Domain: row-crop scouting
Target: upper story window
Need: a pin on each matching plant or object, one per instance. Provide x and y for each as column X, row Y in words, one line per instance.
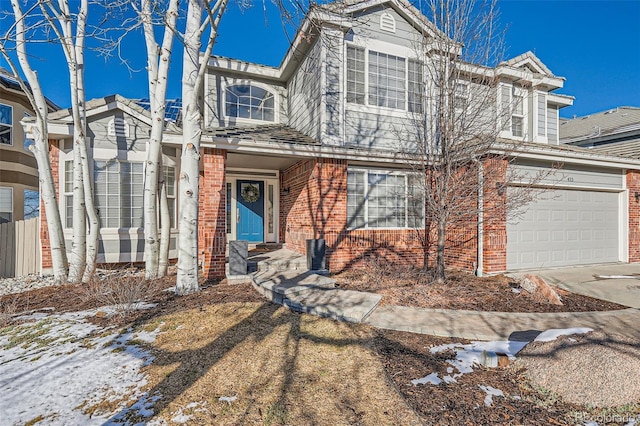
column 389, row 81
column 248, row 101
column 512, row 100
column 6, row 124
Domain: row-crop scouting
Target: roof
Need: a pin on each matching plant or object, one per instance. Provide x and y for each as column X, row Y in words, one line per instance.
column 9, row 81
column 278, row 133
column 602, row 124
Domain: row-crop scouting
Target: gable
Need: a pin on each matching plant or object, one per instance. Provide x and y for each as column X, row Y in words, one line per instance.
column 118, row 131
column 384, row 23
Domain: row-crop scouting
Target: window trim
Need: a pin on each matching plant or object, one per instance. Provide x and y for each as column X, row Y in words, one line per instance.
column 119, row 227
column 67, row 195
column 270, row 89
column 392, row 172
column 385, row 49
column 10, row 125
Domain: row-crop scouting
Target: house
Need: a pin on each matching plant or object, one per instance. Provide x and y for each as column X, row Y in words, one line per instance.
column 309, row 150
column 19, row 183
column 615, row 131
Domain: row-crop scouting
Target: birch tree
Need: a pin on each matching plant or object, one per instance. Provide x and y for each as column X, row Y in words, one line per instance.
column 61, row 21
column 16, row 38
column 202, row 16
column 156, row 252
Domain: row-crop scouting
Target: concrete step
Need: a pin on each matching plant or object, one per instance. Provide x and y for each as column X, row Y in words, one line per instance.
column 279, row 285
column 339, row 304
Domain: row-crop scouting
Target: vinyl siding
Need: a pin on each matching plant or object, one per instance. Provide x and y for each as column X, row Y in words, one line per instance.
column 304, row 93
column 368, row 26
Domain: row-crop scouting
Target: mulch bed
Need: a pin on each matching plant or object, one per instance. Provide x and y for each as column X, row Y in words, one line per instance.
column 461, row 290
column 406, row 356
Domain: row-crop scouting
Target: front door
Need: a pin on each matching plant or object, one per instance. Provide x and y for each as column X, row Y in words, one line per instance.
column 250, row 195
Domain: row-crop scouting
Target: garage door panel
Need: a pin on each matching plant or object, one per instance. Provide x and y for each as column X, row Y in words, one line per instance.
column 565, row 227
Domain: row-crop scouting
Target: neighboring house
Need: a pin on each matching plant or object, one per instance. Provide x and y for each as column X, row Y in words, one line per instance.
column 615, row 131
column 309, row 150
column 19, row 183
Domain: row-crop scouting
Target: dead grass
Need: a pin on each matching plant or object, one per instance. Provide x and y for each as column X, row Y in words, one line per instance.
column 284, row 368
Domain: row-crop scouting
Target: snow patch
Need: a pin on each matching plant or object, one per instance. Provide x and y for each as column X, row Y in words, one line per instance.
column 432, row 379
column 491, row 392
column 228, row 399
column 554, row 333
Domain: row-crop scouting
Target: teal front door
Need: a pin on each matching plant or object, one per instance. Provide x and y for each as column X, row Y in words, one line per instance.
column 250, row 210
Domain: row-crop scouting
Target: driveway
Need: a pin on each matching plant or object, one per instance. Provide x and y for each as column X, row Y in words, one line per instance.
column 619, row 282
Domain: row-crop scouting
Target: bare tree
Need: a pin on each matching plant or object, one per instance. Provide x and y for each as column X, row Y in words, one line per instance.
column 16, row 38
column 457, row 126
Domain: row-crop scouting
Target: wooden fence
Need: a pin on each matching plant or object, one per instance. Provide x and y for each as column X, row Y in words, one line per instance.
column 19, row 248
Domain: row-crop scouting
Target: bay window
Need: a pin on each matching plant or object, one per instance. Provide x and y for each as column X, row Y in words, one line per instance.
column 383, row 199
column 119, row 187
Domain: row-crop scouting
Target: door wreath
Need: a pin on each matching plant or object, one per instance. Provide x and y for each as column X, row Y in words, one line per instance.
column 250, row 193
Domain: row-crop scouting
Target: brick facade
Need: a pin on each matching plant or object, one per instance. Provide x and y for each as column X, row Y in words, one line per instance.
column 314, row 205
column 46, row 263
column 633, row 185
column 495, row 216
column 212, row 230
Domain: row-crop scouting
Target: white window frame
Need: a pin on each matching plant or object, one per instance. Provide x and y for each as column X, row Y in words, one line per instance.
column 174, row 209
column 12, row 211
column 272, row 90
column 404, row 173
column 510, row 110
column 67, row 191
column 119, row 193
column 9, row 125
column 386, row 49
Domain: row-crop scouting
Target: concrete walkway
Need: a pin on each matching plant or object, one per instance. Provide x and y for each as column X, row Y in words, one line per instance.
column 306, row 291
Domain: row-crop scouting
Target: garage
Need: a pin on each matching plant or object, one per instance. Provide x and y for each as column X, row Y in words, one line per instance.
column 567, row 226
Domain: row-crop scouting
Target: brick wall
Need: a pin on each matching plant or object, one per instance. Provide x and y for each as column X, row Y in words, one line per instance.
column 45, row 244
column 212, row 231
column 495, row 217
column 313, row 204
column 633, row 185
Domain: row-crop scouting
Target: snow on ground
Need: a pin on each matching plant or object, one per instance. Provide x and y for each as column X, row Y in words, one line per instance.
column 491, row 392
column 56, row 366
column 484, row 353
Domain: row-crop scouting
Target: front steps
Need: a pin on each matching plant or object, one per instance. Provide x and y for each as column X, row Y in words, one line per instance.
column 286, row 281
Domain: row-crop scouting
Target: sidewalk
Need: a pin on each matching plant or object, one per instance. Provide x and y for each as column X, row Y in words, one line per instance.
column 477, row 325
column 305, row 291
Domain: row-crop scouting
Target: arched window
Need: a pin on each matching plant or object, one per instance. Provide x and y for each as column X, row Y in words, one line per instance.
column 247, row 101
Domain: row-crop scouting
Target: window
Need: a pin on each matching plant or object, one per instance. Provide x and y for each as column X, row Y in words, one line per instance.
column 517, row 117
column 416, row 86
column 228, row 208
column 386, row 80
column 68, row 193
column 31, row 204
column 389, row 81
column 461, row 95
column 246, row 101
column 170, row 185
column 270, row 210
column 6, row 124
column 383, row 199
column 542, row 114
column 119, row 193
column 6, row 205
column 355, row 75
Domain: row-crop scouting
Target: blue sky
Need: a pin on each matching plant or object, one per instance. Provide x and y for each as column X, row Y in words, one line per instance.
column 594, row 44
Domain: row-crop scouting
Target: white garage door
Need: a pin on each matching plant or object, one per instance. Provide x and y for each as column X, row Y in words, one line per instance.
column 564, row 228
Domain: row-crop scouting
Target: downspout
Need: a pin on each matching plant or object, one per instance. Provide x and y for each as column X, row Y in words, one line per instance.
column 480, row 245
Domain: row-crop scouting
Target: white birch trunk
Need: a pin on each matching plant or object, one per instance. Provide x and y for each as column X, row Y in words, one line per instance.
column 158, row 68
column 41, row 151
column 165, row 231
column 187, row 280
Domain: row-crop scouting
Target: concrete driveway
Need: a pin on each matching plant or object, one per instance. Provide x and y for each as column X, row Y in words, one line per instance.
column 619, row 282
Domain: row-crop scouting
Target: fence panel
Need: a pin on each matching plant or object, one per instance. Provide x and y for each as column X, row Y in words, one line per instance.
column 19, row 248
